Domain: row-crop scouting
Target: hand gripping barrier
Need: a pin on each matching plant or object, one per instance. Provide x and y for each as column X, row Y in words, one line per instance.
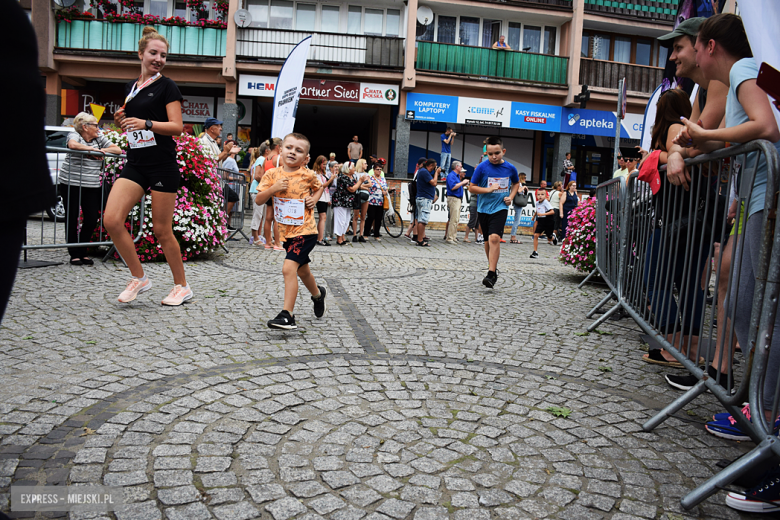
column 718, row 236
column 234, row 188
column 609, row 216
column 77, row 176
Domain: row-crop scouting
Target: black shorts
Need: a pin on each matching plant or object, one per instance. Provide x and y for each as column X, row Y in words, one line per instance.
column 545, row 225
column 158, row 178
column 230, row 195
column 298, row 248
column 493, row 223
column 322, row 207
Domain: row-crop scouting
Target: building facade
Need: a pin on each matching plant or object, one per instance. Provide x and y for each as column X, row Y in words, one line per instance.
column 394, row 73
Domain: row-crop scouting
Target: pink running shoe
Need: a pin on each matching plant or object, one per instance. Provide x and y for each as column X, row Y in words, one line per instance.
column 178, row 295
column 133, row 289
column 278, row 248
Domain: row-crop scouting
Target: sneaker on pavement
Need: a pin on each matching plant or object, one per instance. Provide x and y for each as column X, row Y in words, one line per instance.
column 764, row 498
column 284, row 321
column 729, row 429
column 725, row 415
column 534, row 255
column 480, row 241
column 490, row 279
column 319, row 303
column 178, row 295
column 555, row 239
column 133, row 289
column 685, row 383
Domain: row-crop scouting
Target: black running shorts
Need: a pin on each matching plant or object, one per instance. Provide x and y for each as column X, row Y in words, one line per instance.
column 493, row 223
column 298, row 248
column 163, row 179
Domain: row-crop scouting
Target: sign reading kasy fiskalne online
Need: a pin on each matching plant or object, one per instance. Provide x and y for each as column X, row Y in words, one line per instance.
column 324, row 89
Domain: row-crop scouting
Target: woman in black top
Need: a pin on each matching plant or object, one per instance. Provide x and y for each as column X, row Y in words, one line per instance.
column 151, row 115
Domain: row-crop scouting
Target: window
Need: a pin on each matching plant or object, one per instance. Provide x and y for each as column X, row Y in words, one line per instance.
column 491, row 30
column 532, row 38
column 644, row 49
column 622, row 49
column 354, row 19
column 446, row 29
column 425, row 32
column 158, row 8
column 330, row 18
column 305, row 16
column 469, row 31
column 600, row 47
column 373, row 22
column 585, row 49
column 201, row 14
column 281, row 14
column 513, row 38
column 549, row 40
column 663, row 56
column 393, row 22
column 180, row 10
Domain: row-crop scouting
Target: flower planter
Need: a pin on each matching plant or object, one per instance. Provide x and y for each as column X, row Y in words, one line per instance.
column 192, row 40
column 209, row 47
column 78, row 34
column 95, row 41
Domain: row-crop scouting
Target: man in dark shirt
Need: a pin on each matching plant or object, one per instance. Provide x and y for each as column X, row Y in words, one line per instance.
column 455, row 183
column 427, row 179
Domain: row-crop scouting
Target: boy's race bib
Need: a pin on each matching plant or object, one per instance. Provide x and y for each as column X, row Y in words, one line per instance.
column 289, row 211
column 503, row 184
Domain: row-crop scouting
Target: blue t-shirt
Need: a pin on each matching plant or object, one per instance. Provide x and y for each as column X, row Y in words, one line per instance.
column 445, row 147
column 742, row 71
column 488, row 173
column 452, row 179
column 424, row 188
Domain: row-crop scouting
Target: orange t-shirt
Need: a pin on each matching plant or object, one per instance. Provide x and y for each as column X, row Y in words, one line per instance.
column 302, row 183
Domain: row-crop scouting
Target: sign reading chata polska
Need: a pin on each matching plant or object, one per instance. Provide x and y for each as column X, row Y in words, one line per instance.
column 323, row 89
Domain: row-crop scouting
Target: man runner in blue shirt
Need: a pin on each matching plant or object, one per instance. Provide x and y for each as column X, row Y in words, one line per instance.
column 496, row 182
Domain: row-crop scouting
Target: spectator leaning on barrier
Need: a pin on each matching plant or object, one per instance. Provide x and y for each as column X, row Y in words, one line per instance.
column 501, row 44
column 79, row 184
column 446, row 149
column 621, row 171
column 455, row 183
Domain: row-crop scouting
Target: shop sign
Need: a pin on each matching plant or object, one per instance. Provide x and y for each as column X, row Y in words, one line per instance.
column 195, row 109
column 484, row 112
column 535, row 117
column 430, row 107
column 322, row 89
column 590, row 122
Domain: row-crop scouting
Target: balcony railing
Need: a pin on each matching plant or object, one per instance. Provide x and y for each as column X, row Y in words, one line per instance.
column 276, row 44
column 607, row 74
column 650, row 10
column 483, row 62
column 106, row 36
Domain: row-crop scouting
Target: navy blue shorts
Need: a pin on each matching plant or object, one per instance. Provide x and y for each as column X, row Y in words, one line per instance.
column 298, row 248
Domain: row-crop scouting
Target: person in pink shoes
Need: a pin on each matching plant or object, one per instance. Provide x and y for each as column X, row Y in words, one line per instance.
column 151, row 116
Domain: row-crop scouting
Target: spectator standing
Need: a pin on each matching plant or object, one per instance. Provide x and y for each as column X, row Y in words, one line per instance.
column 568, row 170
column 621, row 171
column 343, row 201
column 427, row 179
column 455, row 183
column 568, row 201
column 211, row 142
column 446, row 149
column 377, row 192
column 496, row 181
column 411, row 233
column 522, row 193
column 258, row 210
column 542, row 188
column 79, row 184
column 544, row 223
column 501, row 44
column 321, row 169
column 230, row 165
column 354, row 150
column 333, row 168
column 473, row 224
column 270, row 222
column 331, row 160
column 361, row 200
column 555, row 202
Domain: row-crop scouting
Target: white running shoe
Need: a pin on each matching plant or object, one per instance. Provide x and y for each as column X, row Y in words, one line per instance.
column 133, row 289
column 178, row 295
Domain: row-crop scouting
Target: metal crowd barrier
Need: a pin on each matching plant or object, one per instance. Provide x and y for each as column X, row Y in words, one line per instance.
column 609, row 217
column 668, row 260
column 67, row 201
column 236, row 183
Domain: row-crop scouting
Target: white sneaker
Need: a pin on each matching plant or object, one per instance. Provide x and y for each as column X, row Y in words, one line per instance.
column 178, row 295
column 133, row 289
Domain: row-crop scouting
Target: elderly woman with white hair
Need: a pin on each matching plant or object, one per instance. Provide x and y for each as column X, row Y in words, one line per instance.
column 79, row 184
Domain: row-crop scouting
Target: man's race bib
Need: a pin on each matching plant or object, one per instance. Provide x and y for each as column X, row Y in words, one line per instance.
column 141, row 139
column 289, row 211
column 503, row 184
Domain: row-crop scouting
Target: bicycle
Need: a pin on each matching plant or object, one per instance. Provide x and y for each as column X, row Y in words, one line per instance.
column 392, row 221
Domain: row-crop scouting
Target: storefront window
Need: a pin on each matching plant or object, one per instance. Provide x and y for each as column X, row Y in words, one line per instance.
column 622, row 49
column 446, row 29
column 513, row 38
column 532, row 38
column 469, row 31
column 305, row 16
column 373, row 23
column 393, row 22
column 354, row 19
column 549, row 40
column 643, row 50
column 330, row 18
column 281, row 14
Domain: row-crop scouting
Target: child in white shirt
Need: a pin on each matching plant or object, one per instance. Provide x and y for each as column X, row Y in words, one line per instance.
column 544, row 222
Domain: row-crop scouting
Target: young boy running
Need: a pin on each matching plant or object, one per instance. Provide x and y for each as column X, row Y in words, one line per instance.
column 295, row 191
column 496, row 182
column 544, row 222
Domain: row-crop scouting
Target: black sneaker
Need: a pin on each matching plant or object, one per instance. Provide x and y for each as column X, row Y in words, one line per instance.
column 354, row 239
column 555, row 240
column 361, row 238
column 490, row 279
column 319, row 303
column 685, row 383
column 283, row 321
column 534, row 255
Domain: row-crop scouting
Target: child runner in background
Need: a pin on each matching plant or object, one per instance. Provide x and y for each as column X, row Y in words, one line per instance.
column 295, row 191
column 496, row 182
column 545, row 221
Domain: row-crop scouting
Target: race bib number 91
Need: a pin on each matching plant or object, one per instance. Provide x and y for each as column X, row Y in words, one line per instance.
column 141, row 139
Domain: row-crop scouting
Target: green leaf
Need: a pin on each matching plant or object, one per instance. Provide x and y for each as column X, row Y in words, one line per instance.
column 558, row 411
column 91, row 342
column 605, row 369
column 542, row 333
column 209, row 296
column 691, row 413
column 27, row 337
column 605, row 333
column 582, row 333
column 549, row 377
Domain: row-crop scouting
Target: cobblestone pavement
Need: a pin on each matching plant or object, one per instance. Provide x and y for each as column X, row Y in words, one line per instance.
column 420, row 394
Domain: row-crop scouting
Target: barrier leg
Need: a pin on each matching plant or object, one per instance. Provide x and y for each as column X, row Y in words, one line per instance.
column 598, row 306
column 582, row 283
column 675, row 406
column 759, row 454
column 605, row 316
